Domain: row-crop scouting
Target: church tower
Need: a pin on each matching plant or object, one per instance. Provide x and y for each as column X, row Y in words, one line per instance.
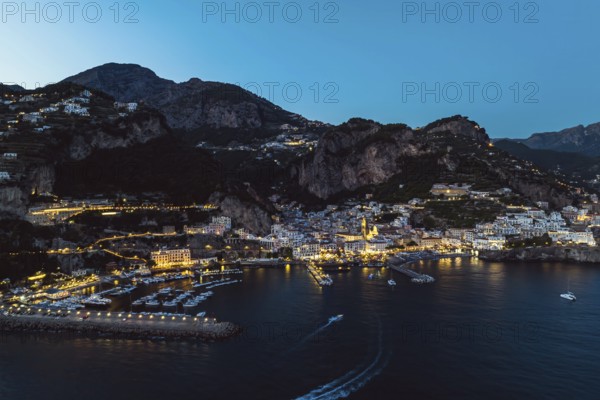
column 364, row 228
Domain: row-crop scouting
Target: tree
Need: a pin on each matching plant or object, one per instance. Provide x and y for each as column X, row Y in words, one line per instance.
column 286, row 252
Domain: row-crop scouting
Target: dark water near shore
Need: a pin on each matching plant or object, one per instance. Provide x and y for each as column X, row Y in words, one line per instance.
column 482, row 330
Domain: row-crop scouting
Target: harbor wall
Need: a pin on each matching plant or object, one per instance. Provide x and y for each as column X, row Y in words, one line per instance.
column 119, row 329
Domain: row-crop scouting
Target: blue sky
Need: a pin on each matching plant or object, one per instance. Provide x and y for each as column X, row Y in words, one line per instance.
column 516, row 73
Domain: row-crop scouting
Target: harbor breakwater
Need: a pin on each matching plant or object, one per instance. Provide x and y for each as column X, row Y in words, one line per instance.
column 123, row 329
column 582, row 254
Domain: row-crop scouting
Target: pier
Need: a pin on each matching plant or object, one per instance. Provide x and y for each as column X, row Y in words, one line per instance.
column 321, row 278
column 415, row 276
column 400, row 264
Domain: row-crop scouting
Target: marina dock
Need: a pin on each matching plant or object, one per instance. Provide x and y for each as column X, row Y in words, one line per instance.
column 400, row 264
column 415, row 276
column 321, row 278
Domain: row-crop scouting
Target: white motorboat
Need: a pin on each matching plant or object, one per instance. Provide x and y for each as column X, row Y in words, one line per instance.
column 569, row 296
column 336, row 318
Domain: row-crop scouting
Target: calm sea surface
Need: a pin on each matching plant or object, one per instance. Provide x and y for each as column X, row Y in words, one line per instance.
column 482, row 330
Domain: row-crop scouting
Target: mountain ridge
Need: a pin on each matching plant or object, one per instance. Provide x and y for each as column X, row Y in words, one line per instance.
column 191, row 105
column 578, row 139
column 357, row 157
column 363, row 156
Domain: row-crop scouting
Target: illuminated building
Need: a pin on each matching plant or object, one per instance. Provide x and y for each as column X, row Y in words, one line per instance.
column 173, row 256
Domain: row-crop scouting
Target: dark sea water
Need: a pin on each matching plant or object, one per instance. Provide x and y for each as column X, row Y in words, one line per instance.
column 482, row 330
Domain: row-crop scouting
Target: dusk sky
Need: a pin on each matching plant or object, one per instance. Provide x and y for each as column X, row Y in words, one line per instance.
column 349, row 59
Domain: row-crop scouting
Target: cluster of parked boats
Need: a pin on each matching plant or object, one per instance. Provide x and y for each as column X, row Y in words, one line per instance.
column 171, row 300
column 160, row 279
column 96, row 301
column 221, row 272
column 168, row 300
column 71, row 303
column 423, row 279
column 122, row 291
column 217, row 283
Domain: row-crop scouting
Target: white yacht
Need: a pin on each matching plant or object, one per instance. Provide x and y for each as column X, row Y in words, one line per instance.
column 569, row 296
column 96, row 301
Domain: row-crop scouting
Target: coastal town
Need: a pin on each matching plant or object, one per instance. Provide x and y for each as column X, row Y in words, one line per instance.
column 335, row 200
column 166, row 271
column 123, row 263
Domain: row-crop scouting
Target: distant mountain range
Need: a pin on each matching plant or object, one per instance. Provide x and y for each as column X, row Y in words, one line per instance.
column 575, row 166
column 580, row 139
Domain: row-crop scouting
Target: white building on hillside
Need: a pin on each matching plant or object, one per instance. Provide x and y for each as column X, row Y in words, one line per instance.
column 166, row 257
column 489, row 243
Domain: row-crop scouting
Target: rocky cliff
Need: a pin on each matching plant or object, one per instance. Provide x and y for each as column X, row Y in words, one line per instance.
column 243, row 213
column 126, row 133
column 537, row 254
column 13, row 201
column 365, row 155
column 356, row 154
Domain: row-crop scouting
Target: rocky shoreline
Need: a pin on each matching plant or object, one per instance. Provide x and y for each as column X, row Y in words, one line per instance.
column 580, row 254
column 117, row 329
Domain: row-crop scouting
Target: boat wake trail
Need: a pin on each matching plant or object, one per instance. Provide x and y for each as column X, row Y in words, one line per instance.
column 310, row 336
column 352, row 381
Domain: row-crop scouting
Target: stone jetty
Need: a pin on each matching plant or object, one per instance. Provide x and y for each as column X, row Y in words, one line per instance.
column 124, row 325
